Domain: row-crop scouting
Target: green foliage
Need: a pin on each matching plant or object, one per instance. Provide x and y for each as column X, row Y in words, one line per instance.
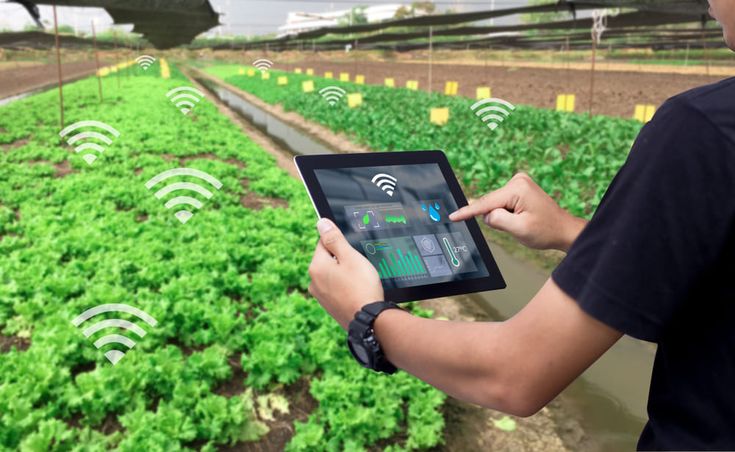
column 572, row 156
column 226, row 287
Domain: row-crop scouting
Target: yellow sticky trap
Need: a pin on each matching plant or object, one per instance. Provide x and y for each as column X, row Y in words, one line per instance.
column 309, row 71
column 484, row 92
column 328, row 74
column 439, row 116
column 390, row 83
column 307, row 86
column 354, row 100
column 241, row 71
column 282, row 81
column 360, row 79
column 251, row 72
column 413, row 85
column 344, row 77
column 644, row 113
column 297, row 70
column 566, row 102
column 265, row 75
column 451, row 88
column 165, row 71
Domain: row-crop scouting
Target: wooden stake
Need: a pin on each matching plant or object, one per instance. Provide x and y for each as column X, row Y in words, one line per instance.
column 431, row 57
column 592, row 74
column 58, row 66
column 97, row 61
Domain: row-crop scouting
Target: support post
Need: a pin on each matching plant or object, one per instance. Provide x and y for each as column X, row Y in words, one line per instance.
column 97, row 61
column 58, row 69
column 592, row 75
column 431, row 57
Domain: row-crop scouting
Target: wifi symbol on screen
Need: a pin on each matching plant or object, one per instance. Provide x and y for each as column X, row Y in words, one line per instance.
column 183, row 215
column 114, row 355
column 81, row 141
column 493, row 112
column 385, row 182
column 185, row 98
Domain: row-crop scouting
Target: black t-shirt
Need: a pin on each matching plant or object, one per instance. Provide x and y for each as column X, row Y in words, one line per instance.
column 657, row 262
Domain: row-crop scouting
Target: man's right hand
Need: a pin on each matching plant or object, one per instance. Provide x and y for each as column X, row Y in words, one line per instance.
column 525, row 211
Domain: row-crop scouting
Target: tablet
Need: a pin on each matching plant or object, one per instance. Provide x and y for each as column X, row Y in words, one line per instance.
column 393, row 208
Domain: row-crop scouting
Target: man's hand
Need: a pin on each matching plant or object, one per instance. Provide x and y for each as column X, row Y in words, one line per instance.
column 341, row 278
column 524, row 210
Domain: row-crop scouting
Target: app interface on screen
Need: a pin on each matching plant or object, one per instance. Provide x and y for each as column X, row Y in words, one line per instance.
column 397, row 216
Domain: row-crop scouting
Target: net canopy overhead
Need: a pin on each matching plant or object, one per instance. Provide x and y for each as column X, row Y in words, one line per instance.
column 164, row 23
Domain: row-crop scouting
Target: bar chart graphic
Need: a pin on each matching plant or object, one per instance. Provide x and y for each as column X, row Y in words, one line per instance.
column 395, row 257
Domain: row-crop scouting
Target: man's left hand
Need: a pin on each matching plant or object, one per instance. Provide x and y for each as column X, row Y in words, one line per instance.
column 341, row 278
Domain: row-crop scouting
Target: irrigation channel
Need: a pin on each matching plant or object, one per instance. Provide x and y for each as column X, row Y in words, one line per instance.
column 608, row 400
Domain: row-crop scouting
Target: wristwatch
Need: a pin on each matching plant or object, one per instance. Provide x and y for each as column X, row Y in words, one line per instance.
column 362, row 341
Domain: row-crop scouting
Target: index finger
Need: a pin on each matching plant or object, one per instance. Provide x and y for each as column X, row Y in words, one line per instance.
column 491, row 201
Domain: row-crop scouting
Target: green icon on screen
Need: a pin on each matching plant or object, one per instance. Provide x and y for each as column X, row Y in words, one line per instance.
column 366, row 219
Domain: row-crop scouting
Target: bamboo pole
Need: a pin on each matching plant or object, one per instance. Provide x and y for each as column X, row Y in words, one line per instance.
column 97, row 61
column 58, row 68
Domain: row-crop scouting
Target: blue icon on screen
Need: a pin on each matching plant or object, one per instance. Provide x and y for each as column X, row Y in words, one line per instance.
column 433, row 210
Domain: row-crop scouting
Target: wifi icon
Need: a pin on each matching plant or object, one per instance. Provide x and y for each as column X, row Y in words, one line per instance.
column 81, row 141
column 185, row 98
column 145, row 61
column 385, row 182
column 332, row 94
column 495, row 112
column 114, row 355
column 262, row 64
column 183, row 215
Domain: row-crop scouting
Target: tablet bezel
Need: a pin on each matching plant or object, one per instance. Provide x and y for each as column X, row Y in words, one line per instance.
column 307, row 164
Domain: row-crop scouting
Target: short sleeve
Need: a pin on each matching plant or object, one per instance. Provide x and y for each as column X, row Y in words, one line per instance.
column 662, row 223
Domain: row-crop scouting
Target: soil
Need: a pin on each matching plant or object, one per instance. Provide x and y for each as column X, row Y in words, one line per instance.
column 20, row 80
column 281, row 428
column 7, row 343
column 616, row 93
column 14, row 145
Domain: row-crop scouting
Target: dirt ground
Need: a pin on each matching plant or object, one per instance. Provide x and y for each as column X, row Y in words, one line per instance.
column 616, row 93
column 18, row 80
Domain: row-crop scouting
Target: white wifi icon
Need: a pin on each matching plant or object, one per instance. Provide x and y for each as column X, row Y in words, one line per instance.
column 145, row 61
column 385, row 182
column 183, row 215
column 495, row 111
column 332, row 94
column 262, row 64
column 185, row 98
column 114, row 355
column 81, row 142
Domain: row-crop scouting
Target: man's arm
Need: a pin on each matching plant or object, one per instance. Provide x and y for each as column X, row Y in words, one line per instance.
column 516, row 366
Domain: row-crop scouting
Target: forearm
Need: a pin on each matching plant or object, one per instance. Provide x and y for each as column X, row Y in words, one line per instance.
column 463, row 359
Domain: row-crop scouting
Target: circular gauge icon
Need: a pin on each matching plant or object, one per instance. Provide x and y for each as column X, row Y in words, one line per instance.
column 428, row 245
column 370, row 248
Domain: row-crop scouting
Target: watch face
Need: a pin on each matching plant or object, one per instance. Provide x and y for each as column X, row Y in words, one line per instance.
column 359, row 352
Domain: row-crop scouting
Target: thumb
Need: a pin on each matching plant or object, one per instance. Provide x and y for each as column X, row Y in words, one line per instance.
column 503, row 220
column 332, row 238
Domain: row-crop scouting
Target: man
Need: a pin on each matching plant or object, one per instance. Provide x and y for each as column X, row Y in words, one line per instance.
column 656, row 262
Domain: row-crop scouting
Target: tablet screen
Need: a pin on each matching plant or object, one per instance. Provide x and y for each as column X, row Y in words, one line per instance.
column 397, row 216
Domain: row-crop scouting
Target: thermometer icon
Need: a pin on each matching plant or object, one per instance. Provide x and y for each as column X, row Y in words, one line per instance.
column 452, row 254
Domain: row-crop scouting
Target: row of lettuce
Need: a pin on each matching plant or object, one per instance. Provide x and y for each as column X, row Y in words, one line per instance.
column 228, row 290
column 572, row 156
